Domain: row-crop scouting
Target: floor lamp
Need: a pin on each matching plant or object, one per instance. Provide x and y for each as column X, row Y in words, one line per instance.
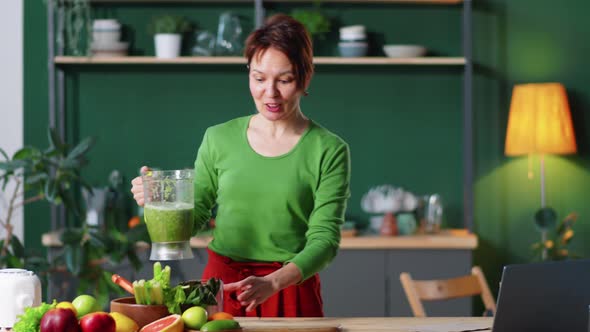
column 540, row 123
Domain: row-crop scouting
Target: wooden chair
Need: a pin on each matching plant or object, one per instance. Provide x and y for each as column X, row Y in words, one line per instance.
column 433, row 290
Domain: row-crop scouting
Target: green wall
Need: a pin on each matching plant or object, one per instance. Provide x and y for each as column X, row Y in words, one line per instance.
column 527, row 41
column 403, row 123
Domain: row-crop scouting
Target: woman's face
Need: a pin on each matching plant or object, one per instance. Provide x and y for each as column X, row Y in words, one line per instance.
column 273, row 85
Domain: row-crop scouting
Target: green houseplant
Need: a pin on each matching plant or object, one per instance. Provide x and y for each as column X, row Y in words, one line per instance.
column 556, row 245
column 168, row 30
column 316, row 22
column 53, row 175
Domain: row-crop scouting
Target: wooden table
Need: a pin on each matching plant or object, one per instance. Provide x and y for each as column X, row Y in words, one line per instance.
column 369, row 324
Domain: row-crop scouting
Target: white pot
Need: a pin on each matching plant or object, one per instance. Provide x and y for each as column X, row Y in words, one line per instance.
column 167, row 45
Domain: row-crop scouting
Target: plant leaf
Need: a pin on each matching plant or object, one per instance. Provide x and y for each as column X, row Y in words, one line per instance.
column 34, row 179
column 73, row 258
column 50, row 190
column 13, row 262
column 81, row 148
column 12, row 165
column 55, row 141
column 17, row 247
column 72, row 204
column 26, row 153
column 72, row 236
column 3, row 153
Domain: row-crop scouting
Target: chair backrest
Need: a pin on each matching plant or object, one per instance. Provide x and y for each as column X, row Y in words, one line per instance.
column 433, row 290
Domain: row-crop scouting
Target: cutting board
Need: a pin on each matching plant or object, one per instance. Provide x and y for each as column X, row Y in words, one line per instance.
column 281, row 326
column 282, row 329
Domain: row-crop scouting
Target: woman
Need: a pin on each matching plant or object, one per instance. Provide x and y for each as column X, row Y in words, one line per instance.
column 280, row 182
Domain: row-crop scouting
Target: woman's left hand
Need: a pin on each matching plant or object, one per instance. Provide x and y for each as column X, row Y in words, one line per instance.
column 252, row 291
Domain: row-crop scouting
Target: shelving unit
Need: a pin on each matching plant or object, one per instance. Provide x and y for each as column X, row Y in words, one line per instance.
column 58, row 63
column 431, row 2
column 148, row 60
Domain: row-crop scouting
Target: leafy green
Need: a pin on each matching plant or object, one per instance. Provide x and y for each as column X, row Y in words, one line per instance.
column 29, row 321
column 192, row 293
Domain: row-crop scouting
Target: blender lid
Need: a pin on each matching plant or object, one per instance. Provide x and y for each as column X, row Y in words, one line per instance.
column 11, row 273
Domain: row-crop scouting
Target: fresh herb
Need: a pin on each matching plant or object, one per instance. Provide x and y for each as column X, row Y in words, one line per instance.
column 170, row 24
column 30, row 320
column 192, row 293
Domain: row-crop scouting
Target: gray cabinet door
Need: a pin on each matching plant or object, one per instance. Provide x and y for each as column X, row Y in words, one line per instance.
column 354, row 284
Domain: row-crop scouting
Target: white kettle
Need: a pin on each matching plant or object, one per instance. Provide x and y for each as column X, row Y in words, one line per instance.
column 19, row 289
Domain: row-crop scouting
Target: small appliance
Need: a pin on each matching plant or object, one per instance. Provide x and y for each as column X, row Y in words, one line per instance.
column 20, row 289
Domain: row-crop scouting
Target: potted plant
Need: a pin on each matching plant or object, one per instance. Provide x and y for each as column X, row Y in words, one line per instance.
column 316, row 23
column 53, row 175
column 168, row 30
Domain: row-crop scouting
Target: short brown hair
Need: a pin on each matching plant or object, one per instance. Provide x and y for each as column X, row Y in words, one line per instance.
column 289, row 36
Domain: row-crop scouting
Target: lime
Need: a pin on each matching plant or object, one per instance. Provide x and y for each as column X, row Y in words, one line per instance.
column 86, row 304
column 194, row 317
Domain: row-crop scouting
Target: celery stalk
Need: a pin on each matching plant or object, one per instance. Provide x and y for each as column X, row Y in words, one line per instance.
column 157, row 296
column 138, row 291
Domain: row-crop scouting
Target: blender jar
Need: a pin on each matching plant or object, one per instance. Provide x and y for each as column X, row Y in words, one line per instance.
column 168, row 213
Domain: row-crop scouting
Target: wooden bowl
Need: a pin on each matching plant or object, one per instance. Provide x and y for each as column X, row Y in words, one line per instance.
column 142, row 314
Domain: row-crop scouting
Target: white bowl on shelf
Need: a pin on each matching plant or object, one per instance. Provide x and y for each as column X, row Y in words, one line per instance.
column 404, row 51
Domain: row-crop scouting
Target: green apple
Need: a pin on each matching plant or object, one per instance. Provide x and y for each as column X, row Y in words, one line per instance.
column 86, row 304
column 194, row 317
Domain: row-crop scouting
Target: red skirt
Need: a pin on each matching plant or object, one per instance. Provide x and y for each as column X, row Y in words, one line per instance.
column 301, row 300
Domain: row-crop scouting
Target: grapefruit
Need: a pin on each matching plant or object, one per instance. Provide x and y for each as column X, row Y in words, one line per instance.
column 172, row 323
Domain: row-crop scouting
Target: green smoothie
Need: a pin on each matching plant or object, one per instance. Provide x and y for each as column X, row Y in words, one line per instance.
column 169, row 222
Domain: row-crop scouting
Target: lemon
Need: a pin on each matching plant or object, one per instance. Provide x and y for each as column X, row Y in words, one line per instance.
column 67, row 305
column 124, row 323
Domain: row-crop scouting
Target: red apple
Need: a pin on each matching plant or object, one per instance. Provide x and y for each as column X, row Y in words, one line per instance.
column 97, row 322
column 59, row 320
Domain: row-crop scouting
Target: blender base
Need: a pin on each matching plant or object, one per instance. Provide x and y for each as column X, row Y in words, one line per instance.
column 170, row 251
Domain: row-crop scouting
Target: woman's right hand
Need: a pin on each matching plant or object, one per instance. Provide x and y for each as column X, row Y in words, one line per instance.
column 137, row 187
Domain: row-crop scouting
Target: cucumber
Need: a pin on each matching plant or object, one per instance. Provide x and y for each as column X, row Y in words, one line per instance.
column 220, row 325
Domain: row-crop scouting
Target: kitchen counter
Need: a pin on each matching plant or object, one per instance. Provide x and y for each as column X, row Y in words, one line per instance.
column 366, row 269
column 446, row 239
column 367, row 324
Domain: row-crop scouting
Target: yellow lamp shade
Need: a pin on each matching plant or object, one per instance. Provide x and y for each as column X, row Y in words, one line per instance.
column 539, row 121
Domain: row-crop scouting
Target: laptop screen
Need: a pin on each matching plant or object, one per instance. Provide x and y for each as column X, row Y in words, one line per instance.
column 544, row 297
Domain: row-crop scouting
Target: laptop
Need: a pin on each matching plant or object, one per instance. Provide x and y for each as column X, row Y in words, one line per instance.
column 544, row 297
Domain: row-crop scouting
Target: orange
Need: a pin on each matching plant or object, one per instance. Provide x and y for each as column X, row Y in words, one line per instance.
column 134, row 221
column 221, row 315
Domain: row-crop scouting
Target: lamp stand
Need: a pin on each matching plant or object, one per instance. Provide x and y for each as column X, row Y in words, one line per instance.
column 544, row 231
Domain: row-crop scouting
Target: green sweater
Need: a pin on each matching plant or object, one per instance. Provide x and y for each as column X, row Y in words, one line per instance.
column 287, row 208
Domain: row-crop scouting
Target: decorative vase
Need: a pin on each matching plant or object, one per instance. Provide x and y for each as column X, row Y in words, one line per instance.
column 389, row 225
